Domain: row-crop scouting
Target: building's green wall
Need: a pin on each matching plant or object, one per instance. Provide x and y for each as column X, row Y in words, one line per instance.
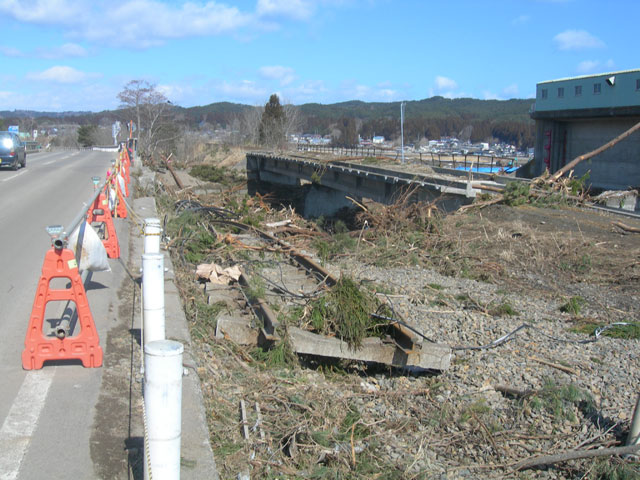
column 622, row 94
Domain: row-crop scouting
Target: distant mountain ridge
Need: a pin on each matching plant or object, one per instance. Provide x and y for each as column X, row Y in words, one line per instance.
column 507, row 120
column 429, row 107
column 39, row 114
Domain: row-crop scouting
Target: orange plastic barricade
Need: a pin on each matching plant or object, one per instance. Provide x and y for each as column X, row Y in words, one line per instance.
column 61, row 263
column 121, row 208
column 101, row 204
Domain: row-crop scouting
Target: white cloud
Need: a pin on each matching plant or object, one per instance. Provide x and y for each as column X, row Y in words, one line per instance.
column 63, row 51
column 520, row 20
column 445, row 87
column 592, row 66
column 43, row 11
column 296, row 9
column 176, row 93
column 309, row 90
column 245, row 90
column 487, row 95
column 135, row 23
column 61, row 74
column 146, row 23
column 577, row 40
column 587, row 66
column 285, row 75
column 11, row 51
column 510, row 91
column 143, row 23
column 354, row 91
column 444, row 83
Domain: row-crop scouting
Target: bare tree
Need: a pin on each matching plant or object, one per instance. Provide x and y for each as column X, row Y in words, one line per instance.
column 134, row 95
column 292, row 120
column 153, row 113
column 251, row 118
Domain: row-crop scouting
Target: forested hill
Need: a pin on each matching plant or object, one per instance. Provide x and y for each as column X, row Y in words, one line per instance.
column 434, row 107
column 476, row 120
column 431, row 118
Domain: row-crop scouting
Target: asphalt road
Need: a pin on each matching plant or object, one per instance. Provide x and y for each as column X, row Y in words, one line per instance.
column 46, row 415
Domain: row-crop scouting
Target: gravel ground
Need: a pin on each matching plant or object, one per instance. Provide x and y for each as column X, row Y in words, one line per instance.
column 548, row 389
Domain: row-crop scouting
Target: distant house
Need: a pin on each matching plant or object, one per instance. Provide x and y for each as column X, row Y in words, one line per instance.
column 577, row 115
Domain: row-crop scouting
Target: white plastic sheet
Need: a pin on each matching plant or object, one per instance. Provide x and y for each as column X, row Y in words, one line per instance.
column 93, row 256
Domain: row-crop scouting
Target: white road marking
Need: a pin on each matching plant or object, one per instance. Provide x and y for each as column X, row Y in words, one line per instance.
column 14, row 176
column 49, row 162
column 21, row 422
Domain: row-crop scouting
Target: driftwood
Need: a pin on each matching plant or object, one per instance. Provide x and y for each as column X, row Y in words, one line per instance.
column 490, row 188
column 555, row 365
column 514, row 392
column 574, row 455
column 586, row 156
column 626, row 228
column 293, row 230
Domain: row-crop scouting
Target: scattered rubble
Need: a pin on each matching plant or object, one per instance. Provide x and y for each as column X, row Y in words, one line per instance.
column 509, row 396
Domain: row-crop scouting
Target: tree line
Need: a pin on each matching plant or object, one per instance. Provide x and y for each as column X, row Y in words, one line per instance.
column 161, row 124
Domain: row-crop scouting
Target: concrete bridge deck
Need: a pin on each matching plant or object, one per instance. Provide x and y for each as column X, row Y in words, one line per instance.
column 449, row 188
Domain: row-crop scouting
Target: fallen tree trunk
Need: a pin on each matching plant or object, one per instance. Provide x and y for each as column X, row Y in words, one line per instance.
column 574, row 455
column 586, row 156
column 626, row 228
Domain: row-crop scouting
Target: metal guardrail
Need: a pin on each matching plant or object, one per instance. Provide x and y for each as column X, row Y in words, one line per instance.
column 32, row 146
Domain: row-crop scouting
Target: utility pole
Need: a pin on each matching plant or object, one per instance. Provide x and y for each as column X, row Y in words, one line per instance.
column 402, row 129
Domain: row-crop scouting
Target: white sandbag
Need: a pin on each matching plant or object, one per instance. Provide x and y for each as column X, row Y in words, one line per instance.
column 93, row 256
column 112, row 198
column 121, row 183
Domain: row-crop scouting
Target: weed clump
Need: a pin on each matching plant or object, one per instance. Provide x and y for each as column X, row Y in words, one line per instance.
column 211, row 173
column 573, row 306
column 346, row 311
column 630, row 331
column 193, row 241
column 516, row 193
column 503, row 310
column 559, row 400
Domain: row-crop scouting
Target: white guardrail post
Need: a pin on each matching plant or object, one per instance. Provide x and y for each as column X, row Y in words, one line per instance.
column 152, row 232
column 163, row 407
column 153, row 297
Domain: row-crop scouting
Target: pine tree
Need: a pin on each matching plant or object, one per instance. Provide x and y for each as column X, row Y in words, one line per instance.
column 86, row 135
column 271, row 131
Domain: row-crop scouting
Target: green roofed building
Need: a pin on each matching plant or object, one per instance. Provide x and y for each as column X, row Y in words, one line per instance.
column 577, row 115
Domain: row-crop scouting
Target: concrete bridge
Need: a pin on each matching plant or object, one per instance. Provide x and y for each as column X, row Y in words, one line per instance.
column 332, row 181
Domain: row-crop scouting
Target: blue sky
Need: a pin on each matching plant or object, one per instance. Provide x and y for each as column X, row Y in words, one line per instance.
column 58, row 55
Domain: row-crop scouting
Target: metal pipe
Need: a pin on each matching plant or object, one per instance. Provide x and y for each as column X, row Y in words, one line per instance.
column 153, row 297
column 634, row 432
column 82, row 216
column 163, row 407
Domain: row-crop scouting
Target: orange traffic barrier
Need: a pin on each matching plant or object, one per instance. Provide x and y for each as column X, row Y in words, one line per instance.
column 121, row 208
column 99, row 212
column 61, row 263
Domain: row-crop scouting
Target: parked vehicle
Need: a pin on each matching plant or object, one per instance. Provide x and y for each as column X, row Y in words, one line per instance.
column 13, row 152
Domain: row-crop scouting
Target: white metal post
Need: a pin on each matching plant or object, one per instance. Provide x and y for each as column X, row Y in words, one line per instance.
column 152, row 233
column 163, row 408
column 402, row 129
column 153, row 296
column 634, row 432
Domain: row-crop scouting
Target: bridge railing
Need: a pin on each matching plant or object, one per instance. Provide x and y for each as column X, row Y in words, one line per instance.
column 448, row 160
column 32, row 146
